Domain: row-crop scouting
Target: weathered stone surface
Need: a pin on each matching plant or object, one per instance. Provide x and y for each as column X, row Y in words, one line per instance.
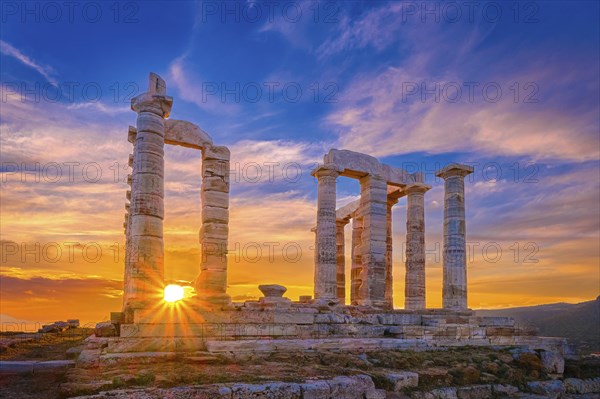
column 403, row 380
column 186, row 134
column 552, row 363
column 105, row 329
column 454, row 262
column 551, row 389
column 475, row 392
column 325, row 279
column 578, row 386
column 272, row 290
column 415, row 246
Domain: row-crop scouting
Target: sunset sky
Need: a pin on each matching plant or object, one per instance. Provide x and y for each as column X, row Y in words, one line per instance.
column 511, row 88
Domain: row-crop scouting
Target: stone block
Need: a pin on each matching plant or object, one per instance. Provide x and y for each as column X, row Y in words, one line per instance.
column 293, row 318
column 211, row 214
column 403, row 380
column 219, row 153
column 105, row 329
column 552, row 363
column 214, row 230
column 315, row 390
column 215, row 183
column 475, row 392
column 215, row 168
column 215, row 198
column 577, row 386
column 550, row 389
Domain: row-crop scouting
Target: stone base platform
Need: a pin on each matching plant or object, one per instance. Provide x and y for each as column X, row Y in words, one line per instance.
column 255, row 326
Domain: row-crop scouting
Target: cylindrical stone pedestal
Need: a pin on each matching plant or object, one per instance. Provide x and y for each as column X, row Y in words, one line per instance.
column 454, row 292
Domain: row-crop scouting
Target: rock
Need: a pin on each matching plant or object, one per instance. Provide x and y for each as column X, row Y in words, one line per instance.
column 434, row 375
column 529, row 361
column 466, row 375
column 277, row 390
column 105, row 329
column 552, row 363
column 375, row 394
column 552, row 389
column 504, row 390
column 315, row 390
column 73, row 352
column 575, row 385
column 475, row 392
column 444, row 393
column 73, row 323
column 272, row 290
column 402, row 380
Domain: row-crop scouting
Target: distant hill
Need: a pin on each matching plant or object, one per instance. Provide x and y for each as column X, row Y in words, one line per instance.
column 580, row 322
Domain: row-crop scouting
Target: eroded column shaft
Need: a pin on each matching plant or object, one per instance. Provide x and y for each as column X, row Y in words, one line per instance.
column 340, row 259
column 145, row 249
column 454, row 292
column 373, row 205
column 326, row 265
column 211, row 284
column 356, row 266
column 414, row 288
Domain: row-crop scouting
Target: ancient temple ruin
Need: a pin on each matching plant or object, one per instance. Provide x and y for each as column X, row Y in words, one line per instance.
column 361, row 316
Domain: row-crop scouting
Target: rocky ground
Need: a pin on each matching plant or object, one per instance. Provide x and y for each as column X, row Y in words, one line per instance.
column 451, row 373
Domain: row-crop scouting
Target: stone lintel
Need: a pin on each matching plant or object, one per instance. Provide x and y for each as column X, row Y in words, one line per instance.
column 186, row 134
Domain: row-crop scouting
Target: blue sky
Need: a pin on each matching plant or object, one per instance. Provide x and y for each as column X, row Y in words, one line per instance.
column 376, row 77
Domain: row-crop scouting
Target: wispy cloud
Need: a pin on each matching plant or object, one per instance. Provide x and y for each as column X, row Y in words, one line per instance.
column 45, row 71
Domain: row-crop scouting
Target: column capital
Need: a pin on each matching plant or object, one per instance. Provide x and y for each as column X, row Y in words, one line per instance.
column 325, row 170
column 454, row 169
column 155, row 99
column 155, row 103
column 417, row 188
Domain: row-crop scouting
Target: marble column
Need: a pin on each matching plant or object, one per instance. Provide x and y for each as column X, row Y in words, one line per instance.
column 373, row 208
column 389, row 256
column 211, row 283
column 414, row 286
column 356, row 267
column 326, row 266
column 454, row 292
column 144, row 262
column 340, row 260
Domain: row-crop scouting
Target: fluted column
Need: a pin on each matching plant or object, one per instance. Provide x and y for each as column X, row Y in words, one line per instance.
column 326, row 266
column 389, row 255
column 145, row 252
column 454, row 292
column 340, row 259
column 211, row 284
column 373, row 209
column 414, row 286
column 356, row 267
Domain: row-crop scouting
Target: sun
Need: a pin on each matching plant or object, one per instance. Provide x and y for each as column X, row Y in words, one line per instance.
column 173, row 293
